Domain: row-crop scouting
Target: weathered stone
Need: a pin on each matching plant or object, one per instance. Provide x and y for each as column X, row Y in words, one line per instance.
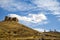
column 11, row 19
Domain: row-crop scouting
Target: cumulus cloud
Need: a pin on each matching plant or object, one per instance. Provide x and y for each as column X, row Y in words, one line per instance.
column 35, row 18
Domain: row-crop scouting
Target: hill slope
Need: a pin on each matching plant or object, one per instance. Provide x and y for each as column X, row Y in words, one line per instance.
column 14, row 28
column 51, row 34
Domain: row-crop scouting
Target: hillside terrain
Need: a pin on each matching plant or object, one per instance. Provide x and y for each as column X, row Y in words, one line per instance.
column 51, row 34
column 17, row 29
column 11, row 28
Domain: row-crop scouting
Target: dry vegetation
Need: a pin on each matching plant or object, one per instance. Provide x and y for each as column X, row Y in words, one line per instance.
column 16, row 29
column 11, row 28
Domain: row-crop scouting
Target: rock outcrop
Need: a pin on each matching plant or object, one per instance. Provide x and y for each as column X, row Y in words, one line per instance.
column 11, row 19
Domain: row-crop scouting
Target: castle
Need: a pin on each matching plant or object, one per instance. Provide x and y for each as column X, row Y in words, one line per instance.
column 11, row 19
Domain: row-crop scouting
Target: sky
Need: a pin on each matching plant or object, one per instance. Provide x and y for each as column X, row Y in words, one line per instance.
column 37, row 14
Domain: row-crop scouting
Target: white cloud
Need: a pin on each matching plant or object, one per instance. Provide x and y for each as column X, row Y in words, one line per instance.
column 38, row 17
column 40, row 29
column 20, row 17
column 35, row 18
column 13, row 5
column 52, row 5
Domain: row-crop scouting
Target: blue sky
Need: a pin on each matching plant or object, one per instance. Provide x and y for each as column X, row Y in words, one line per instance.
column 37, row 14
